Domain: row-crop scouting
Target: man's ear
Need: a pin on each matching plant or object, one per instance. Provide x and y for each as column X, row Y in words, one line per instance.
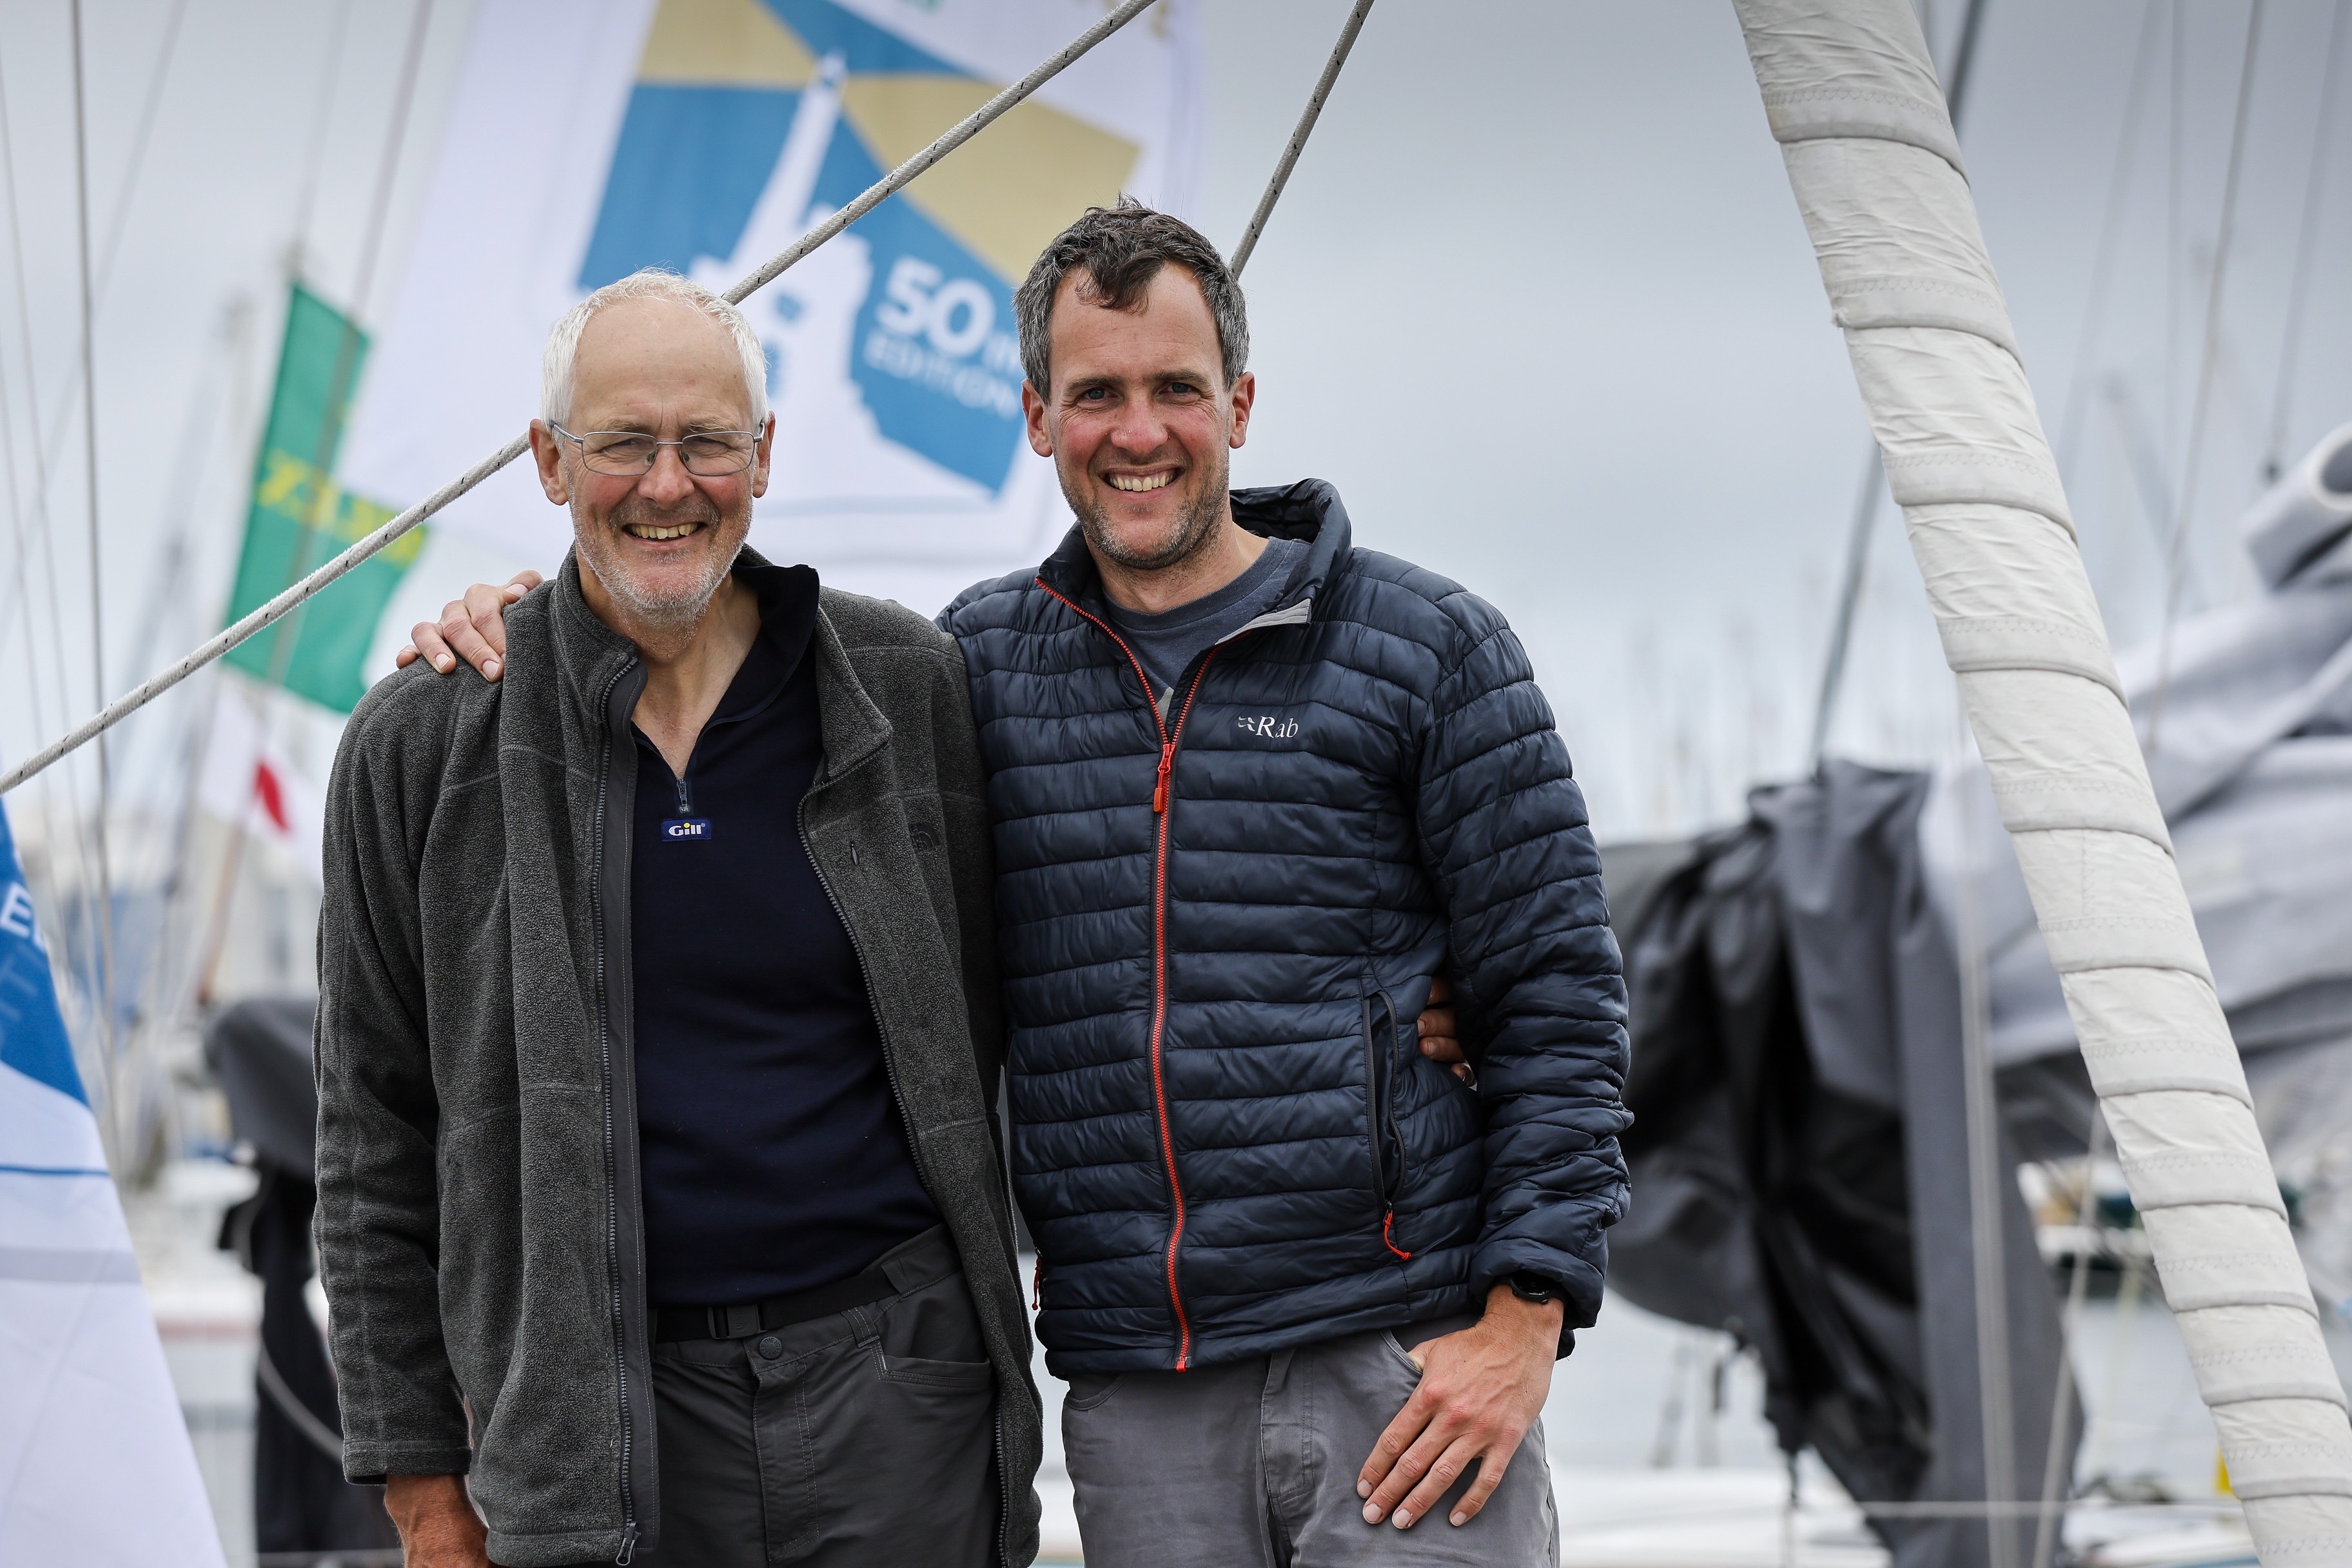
column 547, row 450
column 1245, row 395
column 760, row 461
column 1033, row 412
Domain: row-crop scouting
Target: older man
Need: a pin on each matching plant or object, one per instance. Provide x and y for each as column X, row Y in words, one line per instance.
column 660, row 1205
column 1253, row 788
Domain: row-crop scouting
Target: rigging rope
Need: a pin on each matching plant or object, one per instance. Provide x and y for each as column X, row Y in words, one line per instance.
column 2306, row 244
column 1297, row 143
column 288, row 635
column 73, row 932
column 2184, row 499
column 285, row 603
column 50, row 435
column 2095, row 308
column 96, row 580
column 330, row 68
column 140, row 139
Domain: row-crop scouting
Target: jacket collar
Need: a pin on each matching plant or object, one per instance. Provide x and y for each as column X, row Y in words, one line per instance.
column 1308, row 509
column 591, row 656
column 853, row 728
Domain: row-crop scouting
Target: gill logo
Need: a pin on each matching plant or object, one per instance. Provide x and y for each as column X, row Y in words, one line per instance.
column 1268, row 726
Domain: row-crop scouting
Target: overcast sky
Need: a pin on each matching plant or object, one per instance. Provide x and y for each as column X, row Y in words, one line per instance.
column 1537, row 301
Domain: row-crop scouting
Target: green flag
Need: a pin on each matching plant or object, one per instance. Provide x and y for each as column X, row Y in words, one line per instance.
column 300, row 519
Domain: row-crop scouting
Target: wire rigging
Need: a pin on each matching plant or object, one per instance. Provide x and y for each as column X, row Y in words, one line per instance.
column 112, row 249
column 51, row 433
column 40, row 507
column 1298, row 143
column 97, row 578
column 2095, row 308
column 2298, row 294
column 329, row 69
column 323, row 498
column 75, row 935
column 285, row 603
column 2184, row 499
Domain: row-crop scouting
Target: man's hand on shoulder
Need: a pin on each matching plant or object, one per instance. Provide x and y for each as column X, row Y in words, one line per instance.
column 438, row 1527
column 473, row 628
column 1480, row 1391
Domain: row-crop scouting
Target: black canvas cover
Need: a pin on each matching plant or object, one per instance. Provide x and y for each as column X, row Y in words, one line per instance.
column 261, row 1051
column 1800, row 1153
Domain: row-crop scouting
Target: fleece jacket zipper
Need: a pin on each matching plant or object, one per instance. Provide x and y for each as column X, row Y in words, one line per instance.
column 608, row 882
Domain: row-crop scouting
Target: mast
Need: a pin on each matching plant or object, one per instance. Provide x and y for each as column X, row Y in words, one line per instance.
column 1853, row 101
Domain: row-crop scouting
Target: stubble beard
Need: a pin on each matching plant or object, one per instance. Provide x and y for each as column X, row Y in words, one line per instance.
column 1195, row 524
column 668, row 611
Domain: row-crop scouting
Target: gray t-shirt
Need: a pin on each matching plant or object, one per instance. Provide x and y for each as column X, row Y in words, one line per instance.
column 1167, row 643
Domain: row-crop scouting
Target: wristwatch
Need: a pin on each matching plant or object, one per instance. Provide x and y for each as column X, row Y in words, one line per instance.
column 1533, row 1288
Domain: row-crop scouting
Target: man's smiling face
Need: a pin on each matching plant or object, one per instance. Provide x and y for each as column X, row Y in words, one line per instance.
column 1140, row 422
column 661, row 543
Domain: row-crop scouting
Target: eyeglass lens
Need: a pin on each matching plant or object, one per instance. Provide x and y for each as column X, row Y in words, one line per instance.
column 623, row 453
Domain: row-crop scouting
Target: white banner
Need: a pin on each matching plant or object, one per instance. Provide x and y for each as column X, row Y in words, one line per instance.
column 589, row 138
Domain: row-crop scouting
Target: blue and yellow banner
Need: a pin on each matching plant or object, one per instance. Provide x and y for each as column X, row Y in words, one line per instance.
column 589, row 138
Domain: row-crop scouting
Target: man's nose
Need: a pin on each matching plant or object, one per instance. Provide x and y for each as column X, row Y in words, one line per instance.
column 667, row 479
column 1140, row 429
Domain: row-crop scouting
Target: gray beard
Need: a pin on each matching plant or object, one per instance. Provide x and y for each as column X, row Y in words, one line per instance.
column 679, row 613
column 1194, row 525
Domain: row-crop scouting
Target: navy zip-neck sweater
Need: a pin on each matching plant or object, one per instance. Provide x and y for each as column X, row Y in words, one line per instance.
column 773, row 1155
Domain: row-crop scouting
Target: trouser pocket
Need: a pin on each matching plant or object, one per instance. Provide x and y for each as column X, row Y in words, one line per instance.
column 864, row 1439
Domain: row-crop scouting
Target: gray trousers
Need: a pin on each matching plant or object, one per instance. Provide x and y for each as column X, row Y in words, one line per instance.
column 1253, row 1465
column 854, row 1441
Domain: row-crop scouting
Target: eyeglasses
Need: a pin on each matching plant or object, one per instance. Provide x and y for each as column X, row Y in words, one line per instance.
column 627, row 453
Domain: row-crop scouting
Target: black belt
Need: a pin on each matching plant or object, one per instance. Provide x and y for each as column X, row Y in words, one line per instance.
column 897, row 1273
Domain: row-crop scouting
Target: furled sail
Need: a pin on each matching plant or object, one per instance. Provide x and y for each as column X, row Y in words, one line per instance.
column 1853, row 100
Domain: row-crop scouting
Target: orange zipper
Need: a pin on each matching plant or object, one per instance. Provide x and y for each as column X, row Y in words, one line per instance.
column 1159, row 803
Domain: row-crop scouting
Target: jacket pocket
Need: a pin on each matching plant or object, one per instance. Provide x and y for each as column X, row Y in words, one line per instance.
column 1382, row 1137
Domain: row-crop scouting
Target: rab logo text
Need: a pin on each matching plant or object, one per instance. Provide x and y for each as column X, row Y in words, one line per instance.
column 686, row 829
column 1269, row 726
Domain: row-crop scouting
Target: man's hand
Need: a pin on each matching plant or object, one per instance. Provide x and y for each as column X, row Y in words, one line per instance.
column 1480, row 1391
column 473, row 628
column 1439, row 1042
column 438, row 1527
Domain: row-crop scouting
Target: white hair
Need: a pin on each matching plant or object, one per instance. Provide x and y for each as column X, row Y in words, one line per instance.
column 650, row 283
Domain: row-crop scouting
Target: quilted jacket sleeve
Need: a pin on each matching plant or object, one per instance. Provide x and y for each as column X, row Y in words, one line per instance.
column 1504, row 834
column 379, row 1215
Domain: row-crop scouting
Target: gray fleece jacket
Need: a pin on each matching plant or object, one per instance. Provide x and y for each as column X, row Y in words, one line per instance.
column 479, row 1227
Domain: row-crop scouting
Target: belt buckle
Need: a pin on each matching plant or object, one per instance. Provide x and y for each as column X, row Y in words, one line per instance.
column 736, row 1323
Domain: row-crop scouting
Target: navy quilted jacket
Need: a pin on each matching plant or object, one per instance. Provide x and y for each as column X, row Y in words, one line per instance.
column 1219, row 926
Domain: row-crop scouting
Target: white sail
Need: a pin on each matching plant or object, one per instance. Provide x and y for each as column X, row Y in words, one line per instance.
column 1856, row 105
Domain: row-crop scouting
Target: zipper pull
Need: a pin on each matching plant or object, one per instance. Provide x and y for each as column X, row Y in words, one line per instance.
column 1388, row 1224
column 1037, row 1286
column 1160, row 792
column 685, row 800
column 628, row 1545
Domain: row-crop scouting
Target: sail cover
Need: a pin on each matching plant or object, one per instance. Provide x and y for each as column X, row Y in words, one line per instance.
column 1851, row 98
column 1799, row 1156
column 2246, row 720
